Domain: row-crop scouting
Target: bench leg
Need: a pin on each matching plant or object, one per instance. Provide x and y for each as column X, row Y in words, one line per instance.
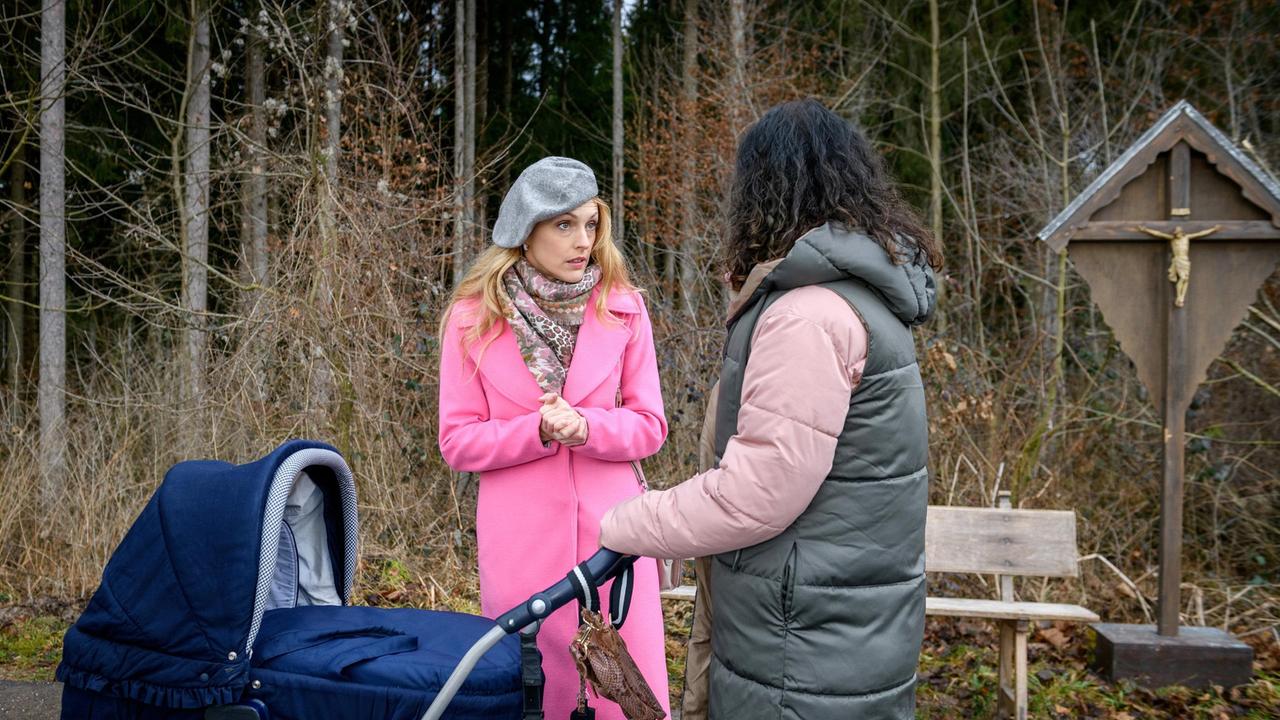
column 1004, row 690
column 1011, row 699
column 1020, row 669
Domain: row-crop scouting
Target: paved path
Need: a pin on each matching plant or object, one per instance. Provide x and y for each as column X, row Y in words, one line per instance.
column 40, row 701
column 29, row 701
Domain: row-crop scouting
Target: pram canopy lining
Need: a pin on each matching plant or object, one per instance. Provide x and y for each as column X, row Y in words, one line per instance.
column 304, row 566
column 306, row 541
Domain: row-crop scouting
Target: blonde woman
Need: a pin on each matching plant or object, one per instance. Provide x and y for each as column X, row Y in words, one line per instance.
column 549, row 390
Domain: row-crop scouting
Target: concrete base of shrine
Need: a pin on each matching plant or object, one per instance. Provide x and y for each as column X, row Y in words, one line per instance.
column 1197, row 657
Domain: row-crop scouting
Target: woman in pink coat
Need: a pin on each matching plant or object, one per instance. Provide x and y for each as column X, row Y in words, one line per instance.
column 549, row 390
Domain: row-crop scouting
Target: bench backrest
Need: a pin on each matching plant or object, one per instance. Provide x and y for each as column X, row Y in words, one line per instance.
column 1001, row 541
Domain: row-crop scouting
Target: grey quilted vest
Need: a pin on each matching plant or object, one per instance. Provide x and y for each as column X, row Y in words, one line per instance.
column 826, row 619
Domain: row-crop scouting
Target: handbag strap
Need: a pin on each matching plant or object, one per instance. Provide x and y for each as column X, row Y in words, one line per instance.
column 584, row 587
column 620, row 597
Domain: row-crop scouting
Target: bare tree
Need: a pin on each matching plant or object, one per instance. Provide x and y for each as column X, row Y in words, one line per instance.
column 619, row 171
column 17, row 280
column 333, row 87
column 481, row 110
column 469, row 145
column 460, row 112
column 738, row 48
column 53, row 235
column 255, row 250
column 935, row 122
column 195, row 211
column 253, row 191
column 929, row 110
column 688, row 196
column 334, row 19
column 935, row 146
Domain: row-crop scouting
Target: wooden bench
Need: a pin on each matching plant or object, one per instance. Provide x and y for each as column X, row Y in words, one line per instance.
column 1006, row 543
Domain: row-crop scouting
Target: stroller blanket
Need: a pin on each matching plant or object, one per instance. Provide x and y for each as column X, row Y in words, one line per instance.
column 363, row 663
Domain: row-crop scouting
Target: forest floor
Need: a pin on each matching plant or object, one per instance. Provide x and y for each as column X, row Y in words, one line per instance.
column 957, row 675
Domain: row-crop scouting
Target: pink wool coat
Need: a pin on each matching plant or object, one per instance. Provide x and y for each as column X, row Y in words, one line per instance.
column 539, row 506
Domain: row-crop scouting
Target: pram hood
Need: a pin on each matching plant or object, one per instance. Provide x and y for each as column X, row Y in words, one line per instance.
column 182, row 598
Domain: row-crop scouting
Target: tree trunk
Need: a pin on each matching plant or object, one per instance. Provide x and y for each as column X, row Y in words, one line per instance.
column 322, row 372
column 459, row 138
column 256, row 250
column 53, row 288
column 688, row 141
column 196, row 206
column 484, row 76
column 17, row 281
column 935, row 123
column 482, row 42
column 333, row 87
column 508, row 88
column 738, row 72
column 469, row 143
column 254, row 197
column 619, row 170
column 935, row 144
column 545, row 50
column 335, row 20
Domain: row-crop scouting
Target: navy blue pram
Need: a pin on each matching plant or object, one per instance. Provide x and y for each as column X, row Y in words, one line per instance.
column 229, row 599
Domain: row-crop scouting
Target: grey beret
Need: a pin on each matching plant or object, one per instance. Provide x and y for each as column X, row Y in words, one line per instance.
column 545, row 189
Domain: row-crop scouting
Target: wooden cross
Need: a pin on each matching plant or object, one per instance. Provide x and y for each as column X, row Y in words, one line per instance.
column 1128, row 234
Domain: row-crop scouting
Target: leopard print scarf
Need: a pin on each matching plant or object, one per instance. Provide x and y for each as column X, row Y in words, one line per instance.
column 545, row 314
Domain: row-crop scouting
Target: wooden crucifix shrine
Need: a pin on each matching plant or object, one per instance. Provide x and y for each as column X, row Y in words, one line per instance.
column 1174, row 239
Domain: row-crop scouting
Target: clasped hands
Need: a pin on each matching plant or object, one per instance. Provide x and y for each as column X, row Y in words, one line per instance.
column 560, row 422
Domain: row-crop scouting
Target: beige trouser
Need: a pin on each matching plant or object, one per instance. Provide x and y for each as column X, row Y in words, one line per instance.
column 697, row 662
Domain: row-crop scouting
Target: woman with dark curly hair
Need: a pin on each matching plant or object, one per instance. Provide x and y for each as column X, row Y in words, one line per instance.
column 812, row 514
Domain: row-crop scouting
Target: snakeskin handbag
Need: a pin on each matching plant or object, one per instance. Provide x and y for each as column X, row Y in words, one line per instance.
column 602, row 659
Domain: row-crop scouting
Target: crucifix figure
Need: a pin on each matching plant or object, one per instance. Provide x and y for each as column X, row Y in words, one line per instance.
column 1180, row 265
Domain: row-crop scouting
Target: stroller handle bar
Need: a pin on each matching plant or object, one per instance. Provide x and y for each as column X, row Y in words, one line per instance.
column 604, row 565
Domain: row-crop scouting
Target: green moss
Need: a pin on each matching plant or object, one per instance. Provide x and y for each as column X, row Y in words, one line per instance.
column 30, row 649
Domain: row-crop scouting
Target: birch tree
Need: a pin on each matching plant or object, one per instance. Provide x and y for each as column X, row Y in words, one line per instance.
column 469, row 142
column 17, row 280
column 619, row 172
column 53, row 288
column 738, row 71
column 195, row 210
column 688, row 129
column 334, row 19
column 255, row 249
column 337, row 19
column 460, row 112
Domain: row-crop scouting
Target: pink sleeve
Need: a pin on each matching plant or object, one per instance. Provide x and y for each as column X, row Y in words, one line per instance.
column 636, row 429
column 469, row 440
column 775, row 463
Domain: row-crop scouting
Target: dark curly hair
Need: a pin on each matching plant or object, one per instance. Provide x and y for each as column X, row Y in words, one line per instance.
column 802, row 165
